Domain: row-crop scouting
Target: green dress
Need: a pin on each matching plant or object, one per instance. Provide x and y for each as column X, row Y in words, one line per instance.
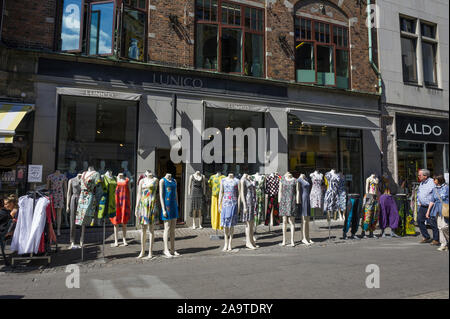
column 107, row 207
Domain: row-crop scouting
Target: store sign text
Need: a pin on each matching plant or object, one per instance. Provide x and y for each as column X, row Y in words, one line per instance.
column 177, row 80
column 424, row 130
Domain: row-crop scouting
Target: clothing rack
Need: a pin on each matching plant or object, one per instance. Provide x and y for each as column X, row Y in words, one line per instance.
column 41, row 193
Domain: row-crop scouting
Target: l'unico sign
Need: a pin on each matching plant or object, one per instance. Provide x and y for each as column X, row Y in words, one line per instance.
column 424, row 129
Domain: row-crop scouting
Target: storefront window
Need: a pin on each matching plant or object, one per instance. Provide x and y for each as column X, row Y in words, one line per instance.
column 350, row 159
column 254, row 54
column 410, row 160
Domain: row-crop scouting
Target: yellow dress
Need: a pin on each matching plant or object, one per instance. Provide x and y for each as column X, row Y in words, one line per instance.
column 214, row 185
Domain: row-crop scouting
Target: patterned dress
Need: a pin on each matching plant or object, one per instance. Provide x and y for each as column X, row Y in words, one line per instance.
column 229, row 215
column 57, row 187
column 169, row 193
column 107, row 207
column 123, row 210
column 288, row 194
column 316, row 195
column 196, row 194
column 250, row 200
column 371, row 213
column 260, row 198
column 147, row 204
column 272, row 187
column 342, row 194
column 87, row 204
column 331, row 195
column 214, row 185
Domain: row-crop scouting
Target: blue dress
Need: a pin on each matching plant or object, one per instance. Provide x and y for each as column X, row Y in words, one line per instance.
column 436, row 210
column 170, row 199
column 229, row 214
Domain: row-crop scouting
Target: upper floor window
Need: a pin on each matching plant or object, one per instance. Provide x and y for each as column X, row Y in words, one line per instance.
column 429, row 49
column 409, row 46
column 229, row 37
column 115, row 27
column 322, row 53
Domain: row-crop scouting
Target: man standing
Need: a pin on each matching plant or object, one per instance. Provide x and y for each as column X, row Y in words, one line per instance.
column 424, row 196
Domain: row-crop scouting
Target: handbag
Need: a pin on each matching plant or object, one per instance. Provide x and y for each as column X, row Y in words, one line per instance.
column 444, row 206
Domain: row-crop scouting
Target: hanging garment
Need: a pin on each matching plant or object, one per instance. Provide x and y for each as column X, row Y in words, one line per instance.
column 123, row 210
column 196, row 195
column 316, row 195
column 87, row 203
column 57, row 187
column 170, row 200
column 37, row 227
column 107, row 205
column 371, row 213
column 388, row 212
column 250, row 200
column 331, row 195
column 147, row 209
column 229, row 215
column 23, row 226
column 48, row 236
column 73, row 204
column 288, row 194
column 214, row 185
column 342, row 194
column 351, row 215
column 260, row 199
column 305, row 195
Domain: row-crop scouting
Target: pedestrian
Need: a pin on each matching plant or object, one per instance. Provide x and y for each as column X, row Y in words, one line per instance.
column 11, row 208
column 440, row 196
column 424, row 196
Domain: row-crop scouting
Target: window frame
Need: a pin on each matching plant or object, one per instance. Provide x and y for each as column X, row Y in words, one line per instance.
column 80, row 40
column 410, row 36
column 220, row 25
column 114, row 26
column 120, row 28
column 316, row 43
column 435, row 45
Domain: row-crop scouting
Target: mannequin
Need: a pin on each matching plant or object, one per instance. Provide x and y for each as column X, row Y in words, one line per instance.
column 126, row 172
column 316, row 195
column 146, row 210
column 261, row 203
column 331, row 195
column 90, row 181
column 288, row 195
column 102, row 169
column 228, row 205
column 371, row 206
column 57, row 183
column 272, row 188
column 196, row 190
column 85, row 166
column 214, row 185
column 342, row 196
column 73, row 195
column 122, row 209
column 169, row 212
column 248, row 198
column 71, row 173
column 303, row 198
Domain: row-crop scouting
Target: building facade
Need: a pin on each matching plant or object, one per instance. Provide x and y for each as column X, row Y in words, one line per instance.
column 110, row 80
column 413, row 56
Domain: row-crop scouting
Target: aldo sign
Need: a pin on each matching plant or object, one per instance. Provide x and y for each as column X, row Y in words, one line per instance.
column 424, row 129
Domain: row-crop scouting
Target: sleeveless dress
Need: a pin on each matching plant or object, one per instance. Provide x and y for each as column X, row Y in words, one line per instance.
column 76, row 191
column 331, row 195
column 316, row 195
column 87, row 204
column 196, row 194
column 57, row 186
column 260, row 199
column 250, row 200
column 123, row 210
column 229, row 214
column 147, row 204
column 214, row 185
column 288, row 194
column 371, row 208
column 342, row 194
column 305, row 190
column 107, row 207
column 170, row 199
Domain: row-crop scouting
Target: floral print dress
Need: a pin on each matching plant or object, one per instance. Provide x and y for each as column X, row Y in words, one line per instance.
column 331, row 195
column 316, row 194
column 123, row 210
column 250, row 200
column 147, row 204
column 288, row 194
column 260, row 198
column 228, row 217
column 57, row 187
column 87, row 204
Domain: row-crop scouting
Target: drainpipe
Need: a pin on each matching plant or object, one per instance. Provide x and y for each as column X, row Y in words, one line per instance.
column 1, row 19
column 374, row 67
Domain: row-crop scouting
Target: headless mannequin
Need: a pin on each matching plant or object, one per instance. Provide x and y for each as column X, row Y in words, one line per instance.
column 228, row 231
column 120, row 177
column 147, row 180
column 197, row 213
column 249, row 235
column 90, row 171
column 372, row 179
column 72, row 214
column 319, row 176
column 169, row 225
column 258, row 178
column 333, row 173
column 267, row 199
column 291, row 219
column 58, row 210
column 305, row 219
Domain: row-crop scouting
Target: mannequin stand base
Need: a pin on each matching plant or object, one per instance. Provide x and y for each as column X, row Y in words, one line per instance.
column 215, row 237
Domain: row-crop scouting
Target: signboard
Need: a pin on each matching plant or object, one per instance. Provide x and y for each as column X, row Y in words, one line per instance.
column 34, row 173
column 423, row 129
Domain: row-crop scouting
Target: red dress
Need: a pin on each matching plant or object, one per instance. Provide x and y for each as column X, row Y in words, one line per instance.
column 122, row 203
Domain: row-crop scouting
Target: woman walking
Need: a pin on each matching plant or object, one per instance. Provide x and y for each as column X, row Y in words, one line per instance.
column 440, row 197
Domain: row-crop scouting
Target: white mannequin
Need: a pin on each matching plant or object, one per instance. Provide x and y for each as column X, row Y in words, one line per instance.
column 197, row 213
column 120, row 177
column 147, row 180
column 85, row 166
column 291, row 219
column 72, row 222
column 267, row 200
column 169, row 225
column 258, row 177
column 305, row 220
column 58, row 210
column 249, row 235
column 372, row 178
column 228, row 231
column 90, row 171
column 72, row 168
column 126, row 172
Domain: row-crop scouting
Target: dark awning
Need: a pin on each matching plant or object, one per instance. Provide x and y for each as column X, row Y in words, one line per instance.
column 334, row 120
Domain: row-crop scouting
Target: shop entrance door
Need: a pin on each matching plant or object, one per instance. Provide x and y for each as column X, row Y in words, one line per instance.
column 163, row 166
